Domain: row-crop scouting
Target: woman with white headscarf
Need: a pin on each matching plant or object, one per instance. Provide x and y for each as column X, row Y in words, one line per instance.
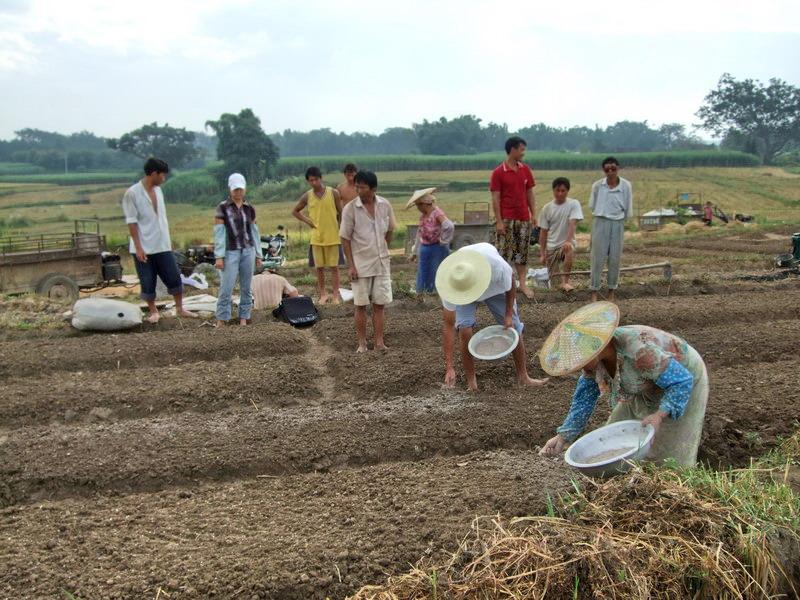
column 237, row 249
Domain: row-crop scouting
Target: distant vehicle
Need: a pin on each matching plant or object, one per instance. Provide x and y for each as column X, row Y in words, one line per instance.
column 272, row 248
column 58, row 265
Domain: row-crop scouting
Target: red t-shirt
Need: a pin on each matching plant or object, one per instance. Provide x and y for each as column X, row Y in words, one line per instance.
column 513, row 187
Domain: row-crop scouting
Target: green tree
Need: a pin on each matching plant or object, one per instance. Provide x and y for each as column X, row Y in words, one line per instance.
column 767, row 116
column 172, row 144
column 243, row 146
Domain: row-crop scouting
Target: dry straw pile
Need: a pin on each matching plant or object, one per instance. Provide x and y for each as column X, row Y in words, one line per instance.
column 648, row 534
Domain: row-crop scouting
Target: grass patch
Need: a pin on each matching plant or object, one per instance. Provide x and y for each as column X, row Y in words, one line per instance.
column 72, row 178
column 657, row 532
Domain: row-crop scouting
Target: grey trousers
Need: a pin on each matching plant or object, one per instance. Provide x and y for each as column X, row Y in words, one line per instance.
column 607, row 238
column 679, row 439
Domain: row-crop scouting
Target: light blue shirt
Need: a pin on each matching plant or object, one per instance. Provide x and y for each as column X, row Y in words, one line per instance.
column 612, row 203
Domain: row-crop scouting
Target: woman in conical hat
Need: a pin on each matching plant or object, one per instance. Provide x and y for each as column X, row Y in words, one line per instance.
column 434, row 234
column 647, row 374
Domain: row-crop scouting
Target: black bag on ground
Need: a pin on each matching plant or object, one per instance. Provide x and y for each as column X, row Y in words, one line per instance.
column 297, row 312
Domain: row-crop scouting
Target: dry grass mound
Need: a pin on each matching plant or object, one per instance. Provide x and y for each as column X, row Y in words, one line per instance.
column 654, row 533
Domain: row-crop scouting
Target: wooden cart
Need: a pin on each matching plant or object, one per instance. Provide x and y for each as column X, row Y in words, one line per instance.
column 57, row 265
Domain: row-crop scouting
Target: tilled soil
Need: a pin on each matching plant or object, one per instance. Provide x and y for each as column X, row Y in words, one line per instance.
column 269, row 462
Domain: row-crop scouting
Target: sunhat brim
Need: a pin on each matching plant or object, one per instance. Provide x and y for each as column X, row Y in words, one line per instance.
column 579, row 338
column 482, row 278
column 419, row 194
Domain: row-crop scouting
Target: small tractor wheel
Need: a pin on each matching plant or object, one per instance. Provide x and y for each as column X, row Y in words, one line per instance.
column 58, row 287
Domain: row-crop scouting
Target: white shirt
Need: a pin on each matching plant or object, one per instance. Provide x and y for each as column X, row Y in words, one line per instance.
column 502, row 275
column 555, row 219
column 153, row 226
column 612, row 203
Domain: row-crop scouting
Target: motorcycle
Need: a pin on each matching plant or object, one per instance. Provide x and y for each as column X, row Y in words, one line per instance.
column 272, row 247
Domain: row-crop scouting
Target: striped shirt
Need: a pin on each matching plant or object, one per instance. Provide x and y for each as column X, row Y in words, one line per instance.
column 237, row 224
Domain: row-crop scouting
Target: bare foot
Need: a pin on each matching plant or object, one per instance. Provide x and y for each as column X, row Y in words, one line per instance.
column 153, row 317
column 337, row 299
column 526, row 291
column 186, row 314
column 529, row 381
column 472, row 384
column 382, row 347
column 567, row 288
column 612, row 297
column 323, row 299
column 361, row 348
column 594, row 296
column 244, row 322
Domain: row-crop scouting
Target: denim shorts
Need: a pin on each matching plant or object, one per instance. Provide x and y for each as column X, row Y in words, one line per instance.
column 465, row 315
column 162, row 265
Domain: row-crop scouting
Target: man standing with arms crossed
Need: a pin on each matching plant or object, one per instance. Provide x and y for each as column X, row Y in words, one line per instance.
column 514, row 206
column 611, row 203
column 150, row 244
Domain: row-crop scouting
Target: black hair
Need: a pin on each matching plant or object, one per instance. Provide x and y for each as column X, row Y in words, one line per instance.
column 313, row 172
column 155, row 165
column 367, row 177
column 561, row 181
column 609, row 160
column 350, row 168
column 514, row 142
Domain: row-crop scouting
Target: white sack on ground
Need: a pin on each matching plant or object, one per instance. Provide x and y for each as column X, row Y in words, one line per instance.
column 104, row 314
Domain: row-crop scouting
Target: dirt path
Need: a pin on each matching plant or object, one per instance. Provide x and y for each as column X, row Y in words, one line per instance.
column 269, row 462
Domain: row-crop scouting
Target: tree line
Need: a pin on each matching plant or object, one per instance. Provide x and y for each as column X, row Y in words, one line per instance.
column 746, row 115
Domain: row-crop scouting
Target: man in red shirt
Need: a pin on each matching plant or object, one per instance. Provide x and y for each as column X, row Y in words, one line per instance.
column 514, row 207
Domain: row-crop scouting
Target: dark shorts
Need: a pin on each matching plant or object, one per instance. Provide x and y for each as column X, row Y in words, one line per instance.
column 514, row 245
column 162, row 265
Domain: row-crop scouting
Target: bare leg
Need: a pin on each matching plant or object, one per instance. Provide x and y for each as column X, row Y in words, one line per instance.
column 594, row 296
column 378, row 321
column 361, row 328
column 567, row 269
column 521, row 367
column 153, row 317
column 182, row 312
column 612, row 297
column 322, row 294
column 337, row 299
column 522, row 277
column 464, row 335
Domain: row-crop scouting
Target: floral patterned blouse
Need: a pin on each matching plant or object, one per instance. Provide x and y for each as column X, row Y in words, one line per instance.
column 651, row 363
column 430, row 230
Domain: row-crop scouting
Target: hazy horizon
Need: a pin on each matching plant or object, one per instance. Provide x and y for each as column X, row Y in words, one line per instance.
column 355, row 66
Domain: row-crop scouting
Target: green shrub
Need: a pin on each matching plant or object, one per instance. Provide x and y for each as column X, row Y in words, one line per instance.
column 194, row 187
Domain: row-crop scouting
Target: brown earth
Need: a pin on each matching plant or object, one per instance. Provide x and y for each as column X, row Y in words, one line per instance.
column 269, row 462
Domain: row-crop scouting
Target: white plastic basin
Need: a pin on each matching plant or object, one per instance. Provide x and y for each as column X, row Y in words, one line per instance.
column 493, row 342
column 605, row 451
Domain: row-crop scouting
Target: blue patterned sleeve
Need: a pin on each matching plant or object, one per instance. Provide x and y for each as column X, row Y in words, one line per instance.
column 677, row 383
column 583, row 402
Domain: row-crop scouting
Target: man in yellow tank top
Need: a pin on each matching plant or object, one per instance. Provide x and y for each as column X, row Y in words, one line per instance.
column 324, row 207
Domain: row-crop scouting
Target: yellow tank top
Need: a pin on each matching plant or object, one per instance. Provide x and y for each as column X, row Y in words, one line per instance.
column 323, row 212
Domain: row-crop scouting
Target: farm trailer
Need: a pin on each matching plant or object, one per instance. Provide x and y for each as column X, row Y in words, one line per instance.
column 57, row 265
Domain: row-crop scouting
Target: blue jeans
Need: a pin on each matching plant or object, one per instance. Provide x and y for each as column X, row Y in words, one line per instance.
column 241, row 264
column 465, row 314
column 430, row 257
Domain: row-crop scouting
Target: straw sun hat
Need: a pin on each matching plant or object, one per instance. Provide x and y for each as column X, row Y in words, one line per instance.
column 463, row 276
column 579, row 338
column 420, row 194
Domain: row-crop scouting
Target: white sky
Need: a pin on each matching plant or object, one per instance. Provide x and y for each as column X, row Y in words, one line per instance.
column 109, row 66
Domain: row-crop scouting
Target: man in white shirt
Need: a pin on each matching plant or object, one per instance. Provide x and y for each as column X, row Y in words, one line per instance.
column 558, row 221
column 472, row 275
column 150, row 245
column 611, row 203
